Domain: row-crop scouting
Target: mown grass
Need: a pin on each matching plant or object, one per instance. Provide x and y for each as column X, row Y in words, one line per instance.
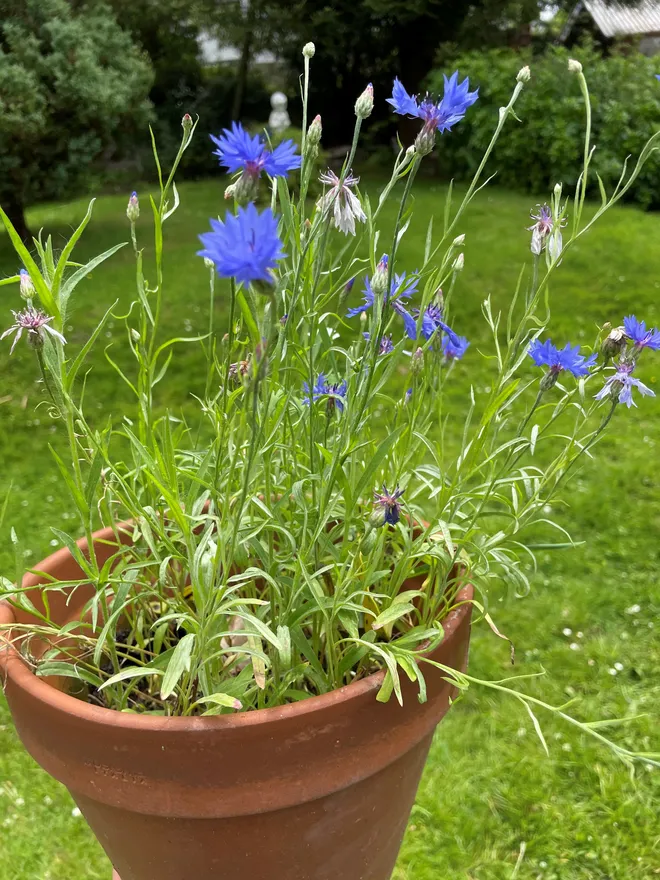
column 490, row 798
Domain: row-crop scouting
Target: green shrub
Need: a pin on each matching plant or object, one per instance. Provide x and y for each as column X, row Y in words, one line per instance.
column 547, row 144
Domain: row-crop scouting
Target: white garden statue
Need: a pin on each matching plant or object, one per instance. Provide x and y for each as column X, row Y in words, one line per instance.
column 279, row 120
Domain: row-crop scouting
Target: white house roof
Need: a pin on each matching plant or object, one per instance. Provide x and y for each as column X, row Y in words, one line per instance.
column 617, row 20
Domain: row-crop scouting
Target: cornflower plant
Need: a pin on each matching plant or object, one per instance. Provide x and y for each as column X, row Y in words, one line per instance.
column 311, row 519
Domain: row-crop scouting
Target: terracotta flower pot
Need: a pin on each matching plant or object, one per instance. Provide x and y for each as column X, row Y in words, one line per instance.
column 316, row 790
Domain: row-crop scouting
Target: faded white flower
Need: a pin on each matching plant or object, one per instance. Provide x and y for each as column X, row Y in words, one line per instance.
column 33, row 323
column 344, row 203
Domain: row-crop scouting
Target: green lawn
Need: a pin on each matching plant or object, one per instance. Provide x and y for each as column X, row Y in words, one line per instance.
column 490, row 797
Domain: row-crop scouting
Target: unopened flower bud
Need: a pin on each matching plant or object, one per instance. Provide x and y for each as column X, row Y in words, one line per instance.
column 245, row 189
column 459, row 263
column 314, row 132
column 208, row 262
column 26, row 287
column 524, row 74
column 459, row 240
column 574, row 66
column 425, row 141
column 230, row 191
column 133, row 208
column 417, row 361
column 410, row 151
column 309, row 50
column 379, row 278
column 549, row 380
column 439, row 298
column 614, row 342
column 308, row 224
column 135, row 334
column 186, row 122
column 365, row 103
column 557, row 190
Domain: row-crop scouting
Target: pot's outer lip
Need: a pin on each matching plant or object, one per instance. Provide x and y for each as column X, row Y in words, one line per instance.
column 111, row 747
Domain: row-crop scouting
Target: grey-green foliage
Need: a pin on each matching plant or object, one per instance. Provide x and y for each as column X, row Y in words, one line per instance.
column 546, row 147
column 71, row 82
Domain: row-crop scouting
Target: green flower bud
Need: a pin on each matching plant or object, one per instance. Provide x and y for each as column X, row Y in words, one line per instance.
column 365, row 103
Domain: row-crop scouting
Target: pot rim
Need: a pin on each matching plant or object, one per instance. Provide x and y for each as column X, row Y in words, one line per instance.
column 13, row 666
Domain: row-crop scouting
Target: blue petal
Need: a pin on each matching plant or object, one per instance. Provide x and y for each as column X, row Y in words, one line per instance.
column 282, row 160
column 402, row 102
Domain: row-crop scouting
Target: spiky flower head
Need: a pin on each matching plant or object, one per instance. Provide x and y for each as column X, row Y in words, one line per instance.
column 440, row 115
column 390, row 504
column 638, row 334
column 334, row 392
column 35, row 324
column 618, row 388
column 245, row 247
column 239, row 151
column 339, row 198
column 454, row 350
column 557, row 360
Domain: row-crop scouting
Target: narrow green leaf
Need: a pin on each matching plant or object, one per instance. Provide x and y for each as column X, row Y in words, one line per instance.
column 220, row 699
column 40, row 285
column 66, row 253
column 179, row 663
column 130, row 672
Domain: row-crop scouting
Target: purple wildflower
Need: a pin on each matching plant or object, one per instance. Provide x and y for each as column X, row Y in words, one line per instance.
column 437, row 115
column 400, row 290
column 619, row 386
column 336, row 393
column 390, row 504
column 454, row 350
column 238, row 151
column 558, row 360
column 386, row 345
column 432, row 323
column 344, row 203
column 541, row 229
column 245, row 247
column 636, row 331
column 33, row 323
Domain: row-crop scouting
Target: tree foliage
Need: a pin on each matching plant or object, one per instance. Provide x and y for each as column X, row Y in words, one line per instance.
column 545, row 147
column 71, row 82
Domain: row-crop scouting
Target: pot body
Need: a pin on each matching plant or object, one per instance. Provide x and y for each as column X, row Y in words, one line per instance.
column 317, row 790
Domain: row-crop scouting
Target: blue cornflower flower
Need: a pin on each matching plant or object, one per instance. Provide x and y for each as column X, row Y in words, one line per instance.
column 636, row 331
column 400, row 290
column 557, row 360
column 336, row 393
column 432, row 322
column 238, row 151
column 245, row 247
column 390, row 504
column 386, row 345
column 437, row 115
column 454, row 350
column 619, row 386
